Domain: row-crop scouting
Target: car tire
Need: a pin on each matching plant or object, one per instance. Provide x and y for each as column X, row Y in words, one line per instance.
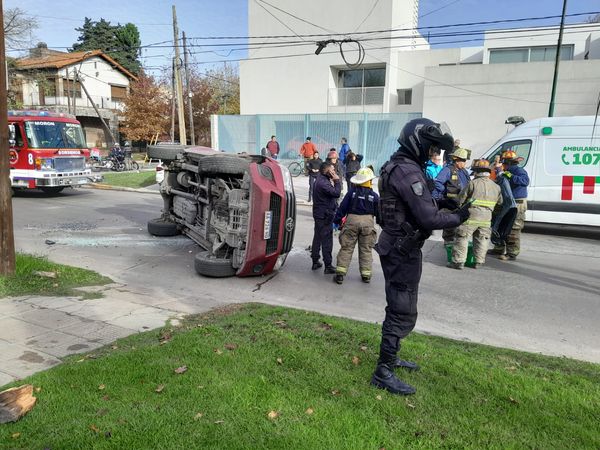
column 210, row 266
column 53, row 190
column 228, row 164
column 161, row 227
column 166, row 153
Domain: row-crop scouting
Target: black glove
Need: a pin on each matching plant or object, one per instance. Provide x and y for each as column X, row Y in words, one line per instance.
column 463, row 212
column 448, row 203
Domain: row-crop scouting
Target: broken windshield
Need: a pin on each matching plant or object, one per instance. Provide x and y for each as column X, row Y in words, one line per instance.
column 49, row 134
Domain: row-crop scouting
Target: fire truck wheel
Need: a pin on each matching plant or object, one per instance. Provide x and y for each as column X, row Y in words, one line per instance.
column 52, row 190
column 211, row 266
column 161, row 227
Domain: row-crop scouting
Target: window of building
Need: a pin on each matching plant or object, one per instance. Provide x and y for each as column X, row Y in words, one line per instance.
column 374, row 77
column 530, row 54
column 71, row 88
column 49, row 87
column 404, row 96
column 118, row 93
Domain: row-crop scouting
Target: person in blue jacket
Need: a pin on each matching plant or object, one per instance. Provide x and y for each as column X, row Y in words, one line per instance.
column 450, row 181
column 344, row 149
column 434, row 165
column 326, row 192
column 518, row 180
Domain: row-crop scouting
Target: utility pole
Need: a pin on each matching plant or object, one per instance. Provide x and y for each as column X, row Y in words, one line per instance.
column 67, row 89
column 173, row 101
column 7, row 238
column 178, row 86
column 189, row 92
column 557, row 62
column 106, row 127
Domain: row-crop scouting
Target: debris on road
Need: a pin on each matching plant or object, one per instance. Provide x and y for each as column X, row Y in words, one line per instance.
column 16, row 402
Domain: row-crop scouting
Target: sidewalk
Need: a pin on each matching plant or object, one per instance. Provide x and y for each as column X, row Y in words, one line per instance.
column 35, row 331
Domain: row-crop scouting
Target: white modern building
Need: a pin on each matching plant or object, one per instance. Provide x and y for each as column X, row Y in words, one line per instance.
column 473, row 89
column 46, row 80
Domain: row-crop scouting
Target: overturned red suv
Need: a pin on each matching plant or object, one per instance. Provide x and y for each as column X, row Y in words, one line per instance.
column 241, row 209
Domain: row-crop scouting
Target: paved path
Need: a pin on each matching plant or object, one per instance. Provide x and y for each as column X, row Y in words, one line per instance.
column 545, row 302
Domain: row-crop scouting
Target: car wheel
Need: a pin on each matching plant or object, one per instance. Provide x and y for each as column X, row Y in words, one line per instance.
column 166, row 153
column 162, row 227
column 229, row 164
column 52, row 190
column 211, row 266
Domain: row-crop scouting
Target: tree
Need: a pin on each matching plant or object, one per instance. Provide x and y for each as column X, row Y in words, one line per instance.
column 18, row 27
column 121, row 42
column 593, row 19
column 146, row 109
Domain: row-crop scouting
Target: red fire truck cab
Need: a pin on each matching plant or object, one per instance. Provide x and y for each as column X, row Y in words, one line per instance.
column 48, row 151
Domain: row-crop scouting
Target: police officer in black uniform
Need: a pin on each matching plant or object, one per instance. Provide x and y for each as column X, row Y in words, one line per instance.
column 408, row 214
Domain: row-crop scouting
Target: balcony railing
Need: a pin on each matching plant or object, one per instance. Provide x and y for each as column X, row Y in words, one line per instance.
column 360, row 96
column 33, row 100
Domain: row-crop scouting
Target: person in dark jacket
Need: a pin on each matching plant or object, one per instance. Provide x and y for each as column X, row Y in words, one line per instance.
column 450, row 181
column 326, row 192
column 352, row 166
column 407, row 215
column 313, row 166
column 360, row 208
column 518, row 180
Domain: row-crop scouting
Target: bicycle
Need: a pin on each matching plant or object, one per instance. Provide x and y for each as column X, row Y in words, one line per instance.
column 295, row 168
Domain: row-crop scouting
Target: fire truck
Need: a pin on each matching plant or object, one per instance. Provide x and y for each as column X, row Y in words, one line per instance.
column 48, row 151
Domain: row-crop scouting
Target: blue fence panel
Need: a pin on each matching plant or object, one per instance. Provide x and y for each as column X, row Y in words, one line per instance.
column 372, row 135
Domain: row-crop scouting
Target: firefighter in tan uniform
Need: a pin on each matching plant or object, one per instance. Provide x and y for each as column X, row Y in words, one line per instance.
column 484, row 195
column 360, row 206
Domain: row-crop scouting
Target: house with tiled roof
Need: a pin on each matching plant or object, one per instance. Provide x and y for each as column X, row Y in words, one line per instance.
column 52, row 80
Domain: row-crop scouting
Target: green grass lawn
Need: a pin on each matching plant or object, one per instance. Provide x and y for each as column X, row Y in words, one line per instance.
column 130, row 179
column 25, row 282
column 265, row 377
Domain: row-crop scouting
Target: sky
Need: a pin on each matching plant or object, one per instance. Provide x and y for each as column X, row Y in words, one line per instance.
column 229, row 17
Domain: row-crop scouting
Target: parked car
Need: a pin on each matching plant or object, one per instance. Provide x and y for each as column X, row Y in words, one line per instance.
column 240, row 209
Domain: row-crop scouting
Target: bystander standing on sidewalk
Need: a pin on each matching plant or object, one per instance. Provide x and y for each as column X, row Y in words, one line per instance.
column 307, row 151
column 273, row 147
column 313, row 166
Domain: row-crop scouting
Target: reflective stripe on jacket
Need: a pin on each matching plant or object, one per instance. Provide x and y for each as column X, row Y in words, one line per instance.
column 485, row 195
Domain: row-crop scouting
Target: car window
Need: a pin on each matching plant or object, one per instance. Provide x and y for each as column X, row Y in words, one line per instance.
column 522, row 148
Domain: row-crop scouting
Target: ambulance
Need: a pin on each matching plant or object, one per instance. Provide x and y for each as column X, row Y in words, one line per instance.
column 562, row 157
column 47, row 151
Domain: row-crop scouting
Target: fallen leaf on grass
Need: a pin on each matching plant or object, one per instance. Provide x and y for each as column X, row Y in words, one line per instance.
column 364, row 348
column 114, row 347
column 101, row 387
column 198, row 416
column 38, row 389
column 355, row 360
column 281, row 324
column 105, row 397
column 218, row 351
column 325, row 326
column 511, row 368
column 379, row 397
column 94, row 428
column 159, row 388
column 102, row 412
column 335, row 392
column 107, row 434
column 512, row 400
column 309, row 411
column 200, row 387
column 279, row 361
column 273, row 415
column 15, row 435
column 410, row 405
column 181, row 370
column 218, row 422
column 230, row 347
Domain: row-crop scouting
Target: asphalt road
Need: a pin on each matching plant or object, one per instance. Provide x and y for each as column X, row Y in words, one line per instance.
column 547, row 301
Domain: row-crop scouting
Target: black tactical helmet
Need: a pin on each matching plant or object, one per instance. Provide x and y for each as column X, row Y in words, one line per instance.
column 419, row 135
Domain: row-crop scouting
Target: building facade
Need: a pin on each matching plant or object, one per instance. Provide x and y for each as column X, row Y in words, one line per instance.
column 46, row 79
column 473, row 89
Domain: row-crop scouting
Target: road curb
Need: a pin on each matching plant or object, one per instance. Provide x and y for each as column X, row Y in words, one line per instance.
column 108, row 187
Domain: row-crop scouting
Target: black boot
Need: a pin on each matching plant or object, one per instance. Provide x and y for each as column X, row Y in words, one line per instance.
column 316, row 265
column 384, row 378
column 408, row 365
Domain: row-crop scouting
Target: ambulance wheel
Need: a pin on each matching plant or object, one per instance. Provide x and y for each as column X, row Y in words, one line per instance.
column 52, row 190
column 211, row 266
column 160, row 227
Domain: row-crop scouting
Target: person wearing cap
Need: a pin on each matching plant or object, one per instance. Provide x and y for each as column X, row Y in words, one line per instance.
column 360, row 208
column 450, row 181
column 518, row 180
column 483, row 195
column 307, row 151
column 326, row 192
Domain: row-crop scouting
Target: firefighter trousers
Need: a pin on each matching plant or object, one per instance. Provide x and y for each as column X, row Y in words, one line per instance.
column 481, row 239
column 358, row 229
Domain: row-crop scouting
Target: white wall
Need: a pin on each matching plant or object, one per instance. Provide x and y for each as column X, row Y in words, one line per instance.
column 521, row 89
column 300, row 84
